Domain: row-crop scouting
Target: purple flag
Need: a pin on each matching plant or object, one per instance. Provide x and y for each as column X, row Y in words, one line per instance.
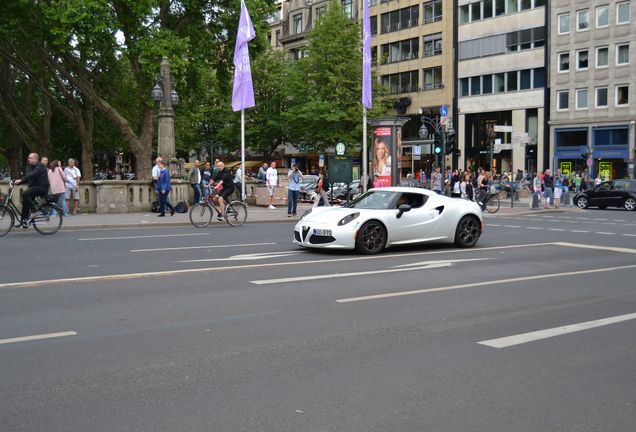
column 367, row 99
column 242, row 90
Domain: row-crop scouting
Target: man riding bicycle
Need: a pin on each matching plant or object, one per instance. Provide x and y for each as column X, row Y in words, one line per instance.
column 37, row 178
column 224, row 187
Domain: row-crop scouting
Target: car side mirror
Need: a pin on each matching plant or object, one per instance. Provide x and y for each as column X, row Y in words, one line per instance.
column 403, row 208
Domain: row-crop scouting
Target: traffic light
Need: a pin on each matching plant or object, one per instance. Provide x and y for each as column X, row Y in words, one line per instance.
column 457, row 152
column 451, row 143
column 438, row 146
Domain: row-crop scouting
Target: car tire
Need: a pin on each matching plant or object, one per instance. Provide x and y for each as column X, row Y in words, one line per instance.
column 467, row 232
column 630, row 204
column 371, row 238
column 581, row 202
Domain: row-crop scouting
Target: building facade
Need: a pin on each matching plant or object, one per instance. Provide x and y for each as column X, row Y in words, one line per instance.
column 502, row 80
column 593, row 90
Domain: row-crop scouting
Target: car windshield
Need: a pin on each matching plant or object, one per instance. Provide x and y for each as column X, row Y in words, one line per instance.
column 374, row 199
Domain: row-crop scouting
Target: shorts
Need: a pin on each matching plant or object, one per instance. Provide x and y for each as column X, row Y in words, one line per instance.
column 271, row 190
column 226, row 193
column 72, row 193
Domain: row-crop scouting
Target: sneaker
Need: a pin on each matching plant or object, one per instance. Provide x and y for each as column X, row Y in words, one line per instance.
column 161, row 215
column 172, row 212
column 271, row 207
column 220, row 218
column 289, row 215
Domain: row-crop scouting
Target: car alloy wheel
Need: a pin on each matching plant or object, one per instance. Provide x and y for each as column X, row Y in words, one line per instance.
column 581, row 202
column 630, row 204
column 468, row 232
column 371, row 238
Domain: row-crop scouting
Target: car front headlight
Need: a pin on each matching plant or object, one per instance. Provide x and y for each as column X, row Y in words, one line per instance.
column 345, row 220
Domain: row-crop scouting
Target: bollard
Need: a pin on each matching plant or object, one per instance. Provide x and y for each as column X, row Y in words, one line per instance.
column 566, row 198
column 535, row 201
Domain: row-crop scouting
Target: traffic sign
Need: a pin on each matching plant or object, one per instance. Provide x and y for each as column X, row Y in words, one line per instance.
column 443, row 111
column 417, row 150
column 321, row 160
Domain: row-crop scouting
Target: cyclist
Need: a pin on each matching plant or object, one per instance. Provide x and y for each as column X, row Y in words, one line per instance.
column 37, row 178
column 482, row 186
column 225, row 187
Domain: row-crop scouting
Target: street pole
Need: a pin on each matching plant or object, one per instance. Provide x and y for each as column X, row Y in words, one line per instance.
column 365, row 162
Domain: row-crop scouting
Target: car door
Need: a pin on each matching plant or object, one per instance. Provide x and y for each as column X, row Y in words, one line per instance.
column 618, row 193
column 415, row 225
column 599, row 196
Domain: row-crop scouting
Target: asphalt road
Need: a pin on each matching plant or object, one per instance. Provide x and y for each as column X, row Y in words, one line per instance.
column 178, row 329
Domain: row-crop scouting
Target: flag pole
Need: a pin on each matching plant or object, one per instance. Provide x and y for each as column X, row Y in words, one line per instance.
column 243, row 155
column 365, row 162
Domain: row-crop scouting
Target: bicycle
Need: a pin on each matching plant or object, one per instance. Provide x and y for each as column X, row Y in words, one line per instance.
column 46, row 217
column 202, row 212
column 489, row 201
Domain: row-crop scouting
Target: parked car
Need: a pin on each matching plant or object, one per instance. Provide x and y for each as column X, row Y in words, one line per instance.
column 614, row 193
column 391, row 216
column 307, row 186
column 340, row 190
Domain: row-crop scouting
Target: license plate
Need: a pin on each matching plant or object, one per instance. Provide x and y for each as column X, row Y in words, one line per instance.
column 322, row 232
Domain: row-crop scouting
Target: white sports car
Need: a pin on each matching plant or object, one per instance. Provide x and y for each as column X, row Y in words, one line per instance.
column 388, row 217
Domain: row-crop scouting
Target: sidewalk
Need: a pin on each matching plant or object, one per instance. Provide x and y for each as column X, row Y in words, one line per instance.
column 255, row 214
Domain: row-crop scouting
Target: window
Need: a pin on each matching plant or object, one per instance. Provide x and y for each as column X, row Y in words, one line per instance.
column 475, row 86
column 400, row 51
column 432, row 45
column 564, row 23
column 400, row 19
column 622, row 13
column 525, row 39
column 526, row 4
column 432, row 11
column 581, row 99
column 601, row 97
column 511, row 82
column 322, row 10
column 602, row 16
column 622, row 54
column 463, row 87
column 500, row 7
column 463, row 14
column 487, row 9
column 525, row 79
column 475, row 11
column 298, row 23
column 500, row 83
column 433, row 78
column 347, row 8
column 538, row 78
column 405, row 82
column 563, row 100
column 602, row 57
column 582, row 20
column 374, row 23
column 487, row 84
column 513, row 6
column 564, row 62
column 622, row 95
column 277, row 38
column 581, row 60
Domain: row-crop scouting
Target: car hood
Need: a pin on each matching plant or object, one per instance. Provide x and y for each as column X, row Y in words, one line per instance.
column 329, row 215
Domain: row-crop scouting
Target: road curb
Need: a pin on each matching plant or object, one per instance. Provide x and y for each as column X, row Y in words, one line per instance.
column 164, row 224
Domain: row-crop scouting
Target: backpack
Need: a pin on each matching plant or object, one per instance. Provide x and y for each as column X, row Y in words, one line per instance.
column 325, row 184
column 181, row 207
column 154, row 207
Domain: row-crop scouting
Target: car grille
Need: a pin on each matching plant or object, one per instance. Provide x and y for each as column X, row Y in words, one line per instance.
column 314, row 239
column 297, row 236
column 305, row 232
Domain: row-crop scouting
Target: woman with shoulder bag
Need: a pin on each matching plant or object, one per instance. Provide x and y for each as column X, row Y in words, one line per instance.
column 57, row 189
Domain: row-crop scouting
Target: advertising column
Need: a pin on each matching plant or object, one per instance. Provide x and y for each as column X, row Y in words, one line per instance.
column 386, row 157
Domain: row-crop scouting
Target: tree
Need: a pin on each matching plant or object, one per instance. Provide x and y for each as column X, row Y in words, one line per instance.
column 327, row 85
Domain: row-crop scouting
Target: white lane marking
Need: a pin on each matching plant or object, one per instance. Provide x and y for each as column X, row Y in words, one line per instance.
column 522, row 338
column 341, row 275
column 555, row 229
column 421, row 263
column 597, row 247
column 493, row 225
column 128, row 276
column 629, row 235
column 37, row 337
column 604, row 233
column 140, row 237
column 579, row 231
column 512, row 226
column 609, row 223
column 202, row 247
column 599, row 219
column 246, row 257
column 534, row 228
column 476, row 284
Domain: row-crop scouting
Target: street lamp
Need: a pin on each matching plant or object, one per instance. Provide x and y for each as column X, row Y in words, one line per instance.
column 438, row 131
column 165, row 94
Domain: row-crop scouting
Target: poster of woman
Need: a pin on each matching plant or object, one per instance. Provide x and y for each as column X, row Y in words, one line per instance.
column 382, row 155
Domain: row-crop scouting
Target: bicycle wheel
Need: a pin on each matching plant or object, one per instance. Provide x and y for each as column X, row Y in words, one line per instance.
column 6, row 219
column 235, row 213
column 48, row 219
column 492, row 204
column 201, row 214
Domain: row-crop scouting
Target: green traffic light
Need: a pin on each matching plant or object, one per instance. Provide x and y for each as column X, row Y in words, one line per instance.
column 438, row 150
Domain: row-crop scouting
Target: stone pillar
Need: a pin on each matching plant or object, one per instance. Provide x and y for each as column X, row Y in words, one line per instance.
column 518, row 150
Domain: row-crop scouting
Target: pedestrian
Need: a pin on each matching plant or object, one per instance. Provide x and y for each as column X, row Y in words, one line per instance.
column 322, row 187
column 466, row 188
column 577, row 183
column 57, row 181
column 271, row 178
column 37, row 179
column 163, row 190
column 436, row 181
column 262, row 173
column 238, row 182
column 73, row 177
column 548, row 187
column 194, row 177
column 295, row 176
column 455, row 185
column 206, row 178
column 558, row 190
